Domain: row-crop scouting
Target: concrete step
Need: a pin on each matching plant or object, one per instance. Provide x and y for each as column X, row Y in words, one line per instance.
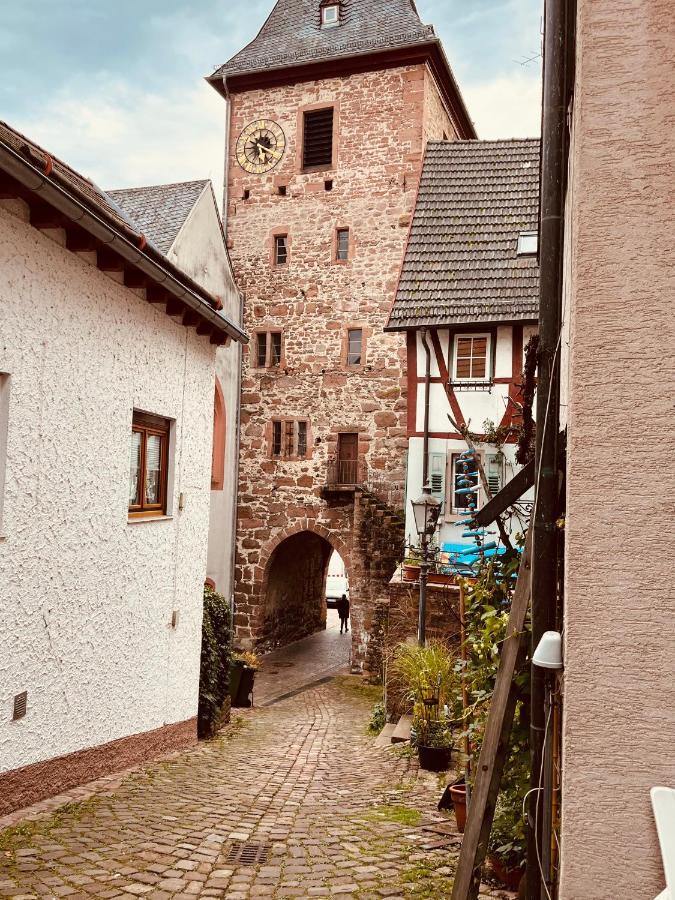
column 384, row 737
column 401, row 733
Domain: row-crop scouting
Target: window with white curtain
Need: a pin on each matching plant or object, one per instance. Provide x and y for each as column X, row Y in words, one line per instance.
column 148, row 465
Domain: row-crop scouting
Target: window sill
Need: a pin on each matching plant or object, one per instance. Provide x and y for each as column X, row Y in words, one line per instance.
column 136, row 519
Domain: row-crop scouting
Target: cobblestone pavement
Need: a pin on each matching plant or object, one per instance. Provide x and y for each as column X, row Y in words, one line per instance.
column 298, row 786
column 289, row 668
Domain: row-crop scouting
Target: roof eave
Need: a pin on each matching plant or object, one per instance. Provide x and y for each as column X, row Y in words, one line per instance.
column 430, row 50
column 125, row 241
column 468, row 323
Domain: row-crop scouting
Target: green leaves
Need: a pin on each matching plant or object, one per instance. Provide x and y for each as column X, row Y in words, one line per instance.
column 214, row 670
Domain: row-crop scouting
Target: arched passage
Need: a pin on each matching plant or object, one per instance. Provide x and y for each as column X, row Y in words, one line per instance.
column 295, row 587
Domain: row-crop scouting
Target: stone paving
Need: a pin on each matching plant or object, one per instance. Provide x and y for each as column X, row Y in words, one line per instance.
column 296, row 665
column 298, row 786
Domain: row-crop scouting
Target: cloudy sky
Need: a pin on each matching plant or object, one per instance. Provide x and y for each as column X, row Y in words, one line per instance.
column 115, row 87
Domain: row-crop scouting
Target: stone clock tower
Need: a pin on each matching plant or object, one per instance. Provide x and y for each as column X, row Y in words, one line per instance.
column 328, row 112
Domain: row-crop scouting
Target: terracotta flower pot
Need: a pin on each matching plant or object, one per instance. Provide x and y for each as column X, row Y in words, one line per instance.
column 509, row 877
column 440, row 578
column 411, row 573
column 458, row 794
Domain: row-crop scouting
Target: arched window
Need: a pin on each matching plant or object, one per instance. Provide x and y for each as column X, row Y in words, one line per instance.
column 218, row 451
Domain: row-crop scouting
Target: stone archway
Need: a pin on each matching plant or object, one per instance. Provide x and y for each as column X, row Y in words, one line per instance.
column 294, row 583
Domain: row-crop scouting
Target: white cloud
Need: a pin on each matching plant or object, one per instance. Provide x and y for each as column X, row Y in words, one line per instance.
column 505, row 107
column 120, row 136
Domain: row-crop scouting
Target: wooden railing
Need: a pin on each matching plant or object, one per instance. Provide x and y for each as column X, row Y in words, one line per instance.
column 355, row 473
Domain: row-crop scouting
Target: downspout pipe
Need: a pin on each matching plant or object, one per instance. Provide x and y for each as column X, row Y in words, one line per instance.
column 427, row 385
column 554, row 152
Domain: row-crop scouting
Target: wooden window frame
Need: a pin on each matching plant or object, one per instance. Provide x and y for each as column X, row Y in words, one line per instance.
column 452, row 512
column 359, row 364
column 344, row 353
column 289, row 427
column 489, row 361
column 267, row 363
column 147, row 424
column 275, row 250
column 336, row 252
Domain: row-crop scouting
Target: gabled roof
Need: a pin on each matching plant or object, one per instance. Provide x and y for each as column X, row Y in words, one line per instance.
column 161, row 209
column 59, row 196
column 461, row 264
column 292, row 39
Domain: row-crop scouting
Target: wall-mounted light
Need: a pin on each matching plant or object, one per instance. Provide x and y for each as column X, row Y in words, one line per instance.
column 548, row 654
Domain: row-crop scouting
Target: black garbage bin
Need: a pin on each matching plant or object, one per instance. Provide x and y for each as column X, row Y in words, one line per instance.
column 244, row 690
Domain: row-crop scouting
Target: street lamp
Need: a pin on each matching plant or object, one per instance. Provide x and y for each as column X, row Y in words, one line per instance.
column 426, row 510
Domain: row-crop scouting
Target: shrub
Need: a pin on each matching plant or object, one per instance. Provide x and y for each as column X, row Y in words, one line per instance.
column 378, row 719
column 214, row 671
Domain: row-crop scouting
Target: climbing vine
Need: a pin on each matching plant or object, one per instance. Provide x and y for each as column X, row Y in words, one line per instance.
column 488, row 603
column 214, row 669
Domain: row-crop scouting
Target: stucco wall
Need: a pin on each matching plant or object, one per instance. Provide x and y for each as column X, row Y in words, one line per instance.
column 87, row 597
column 619, row 703
column 199, row 249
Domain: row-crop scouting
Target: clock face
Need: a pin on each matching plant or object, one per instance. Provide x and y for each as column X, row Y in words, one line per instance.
column 260, row 146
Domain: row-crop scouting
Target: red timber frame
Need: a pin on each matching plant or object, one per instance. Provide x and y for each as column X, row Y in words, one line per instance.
column 511, row 413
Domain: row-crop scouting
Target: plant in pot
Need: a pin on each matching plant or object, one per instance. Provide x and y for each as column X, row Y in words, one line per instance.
column 431, row 685
column 242, row 677
column 411, row 564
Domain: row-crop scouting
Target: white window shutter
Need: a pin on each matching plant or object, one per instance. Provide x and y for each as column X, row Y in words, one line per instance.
column 494, row 472
column 437, row 475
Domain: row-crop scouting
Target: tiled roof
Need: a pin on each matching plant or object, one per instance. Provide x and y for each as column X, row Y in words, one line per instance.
column 293, row 35
column 159, row 210
column 461, row 265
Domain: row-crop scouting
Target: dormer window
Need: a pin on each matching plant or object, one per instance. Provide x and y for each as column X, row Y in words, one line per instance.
column 528, row 243
column 330, row 15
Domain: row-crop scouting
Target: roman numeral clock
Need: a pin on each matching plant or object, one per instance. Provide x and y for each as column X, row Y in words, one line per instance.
column 260, row 146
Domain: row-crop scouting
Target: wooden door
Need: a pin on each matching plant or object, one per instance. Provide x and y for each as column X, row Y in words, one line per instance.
column 348, row 458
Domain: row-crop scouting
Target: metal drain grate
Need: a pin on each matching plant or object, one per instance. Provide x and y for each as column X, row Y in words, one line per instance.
column 248, row 853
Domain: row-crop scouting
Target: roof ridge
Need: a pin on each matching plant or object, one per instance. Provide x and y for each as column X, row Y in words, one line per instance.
column 171, row 184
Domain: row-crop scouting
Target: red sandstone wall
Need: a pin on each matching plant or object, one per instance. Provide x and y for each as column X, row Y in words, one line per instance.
column 380, row 133
column 619, row 719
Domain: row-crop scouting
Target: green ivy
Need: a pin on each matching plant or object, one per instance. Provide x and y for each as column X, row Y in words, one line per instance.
column 214, row 671
column 487, row 608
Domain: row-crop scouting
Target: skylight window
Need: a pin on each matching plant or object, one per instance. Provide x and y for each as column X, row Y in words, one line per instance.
column 330, row 15
column 528, row 243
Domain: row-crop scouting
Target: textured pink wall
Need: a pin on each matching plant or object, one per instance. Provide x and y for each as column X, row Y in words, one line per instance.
column 619, row 728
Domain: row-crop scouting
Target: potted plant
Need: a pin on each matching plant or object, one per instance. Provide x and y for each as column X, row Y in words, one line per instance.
column 411, row 564
column 506, row 850
column 458, row 796
column 431, row 685
column 242, row 677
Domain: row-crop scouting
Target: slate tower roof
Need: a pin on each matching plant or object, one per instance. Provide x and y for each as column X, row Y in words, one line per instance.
column 292, row 38
column 461, row 265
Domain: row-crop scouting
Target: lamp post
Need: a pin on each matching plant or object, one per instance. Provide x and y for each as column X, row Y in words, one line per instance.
column 426, row 510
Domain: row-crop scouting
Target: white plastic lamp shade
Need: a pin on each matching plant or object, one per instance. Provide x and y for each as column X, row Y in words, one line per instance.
column 426, row 510
column 548, row 654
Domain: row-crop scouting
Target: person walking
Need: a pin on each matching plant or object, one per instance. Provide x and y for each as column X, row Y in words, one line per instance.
column 343, row 612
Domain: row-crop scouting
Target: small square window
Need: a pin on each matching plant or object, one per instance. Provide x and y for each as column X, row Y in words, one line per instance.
column 246, row 195
column 281, row 190
column 471, row 357
column 354, row 346
column 528, row 243
column 290, row 438
column 342, row 244
column 330, row 16
column 280, row 249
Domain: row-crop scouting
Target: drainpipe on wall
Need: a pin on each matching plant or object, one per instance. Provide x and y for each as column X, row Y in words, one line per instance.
column 427, row 383
column 559, row 19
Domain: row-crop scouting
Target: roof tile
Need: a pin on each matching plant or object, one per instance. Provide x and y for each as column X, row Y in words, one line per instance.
column 161, row 209
column 461, row 265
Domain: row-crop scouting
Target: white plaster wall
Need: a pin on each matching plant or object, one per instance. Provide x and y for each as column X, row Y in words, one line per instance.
column 200, row 251
column 86, row 597
column 477, row 406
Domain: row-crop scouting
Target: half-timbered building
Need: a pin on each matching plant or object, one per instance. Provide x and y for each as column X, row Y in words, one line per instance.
column 467, row 301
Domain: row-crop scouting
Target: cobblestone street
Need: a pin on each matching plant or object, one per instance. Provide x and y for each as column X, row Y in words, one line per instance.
column 291, row 800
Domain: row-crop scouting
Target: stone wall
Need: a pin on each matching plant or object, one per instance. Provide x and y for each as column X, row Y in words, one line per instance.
column 380, row 127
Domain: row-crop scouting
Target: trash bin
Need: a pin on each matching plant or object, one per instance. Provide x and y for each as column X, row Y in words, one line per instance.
column 244, row 695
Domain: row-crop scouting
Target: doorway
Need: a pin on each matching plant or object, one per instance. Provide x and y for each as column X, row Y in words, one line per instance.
column 348, row 457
